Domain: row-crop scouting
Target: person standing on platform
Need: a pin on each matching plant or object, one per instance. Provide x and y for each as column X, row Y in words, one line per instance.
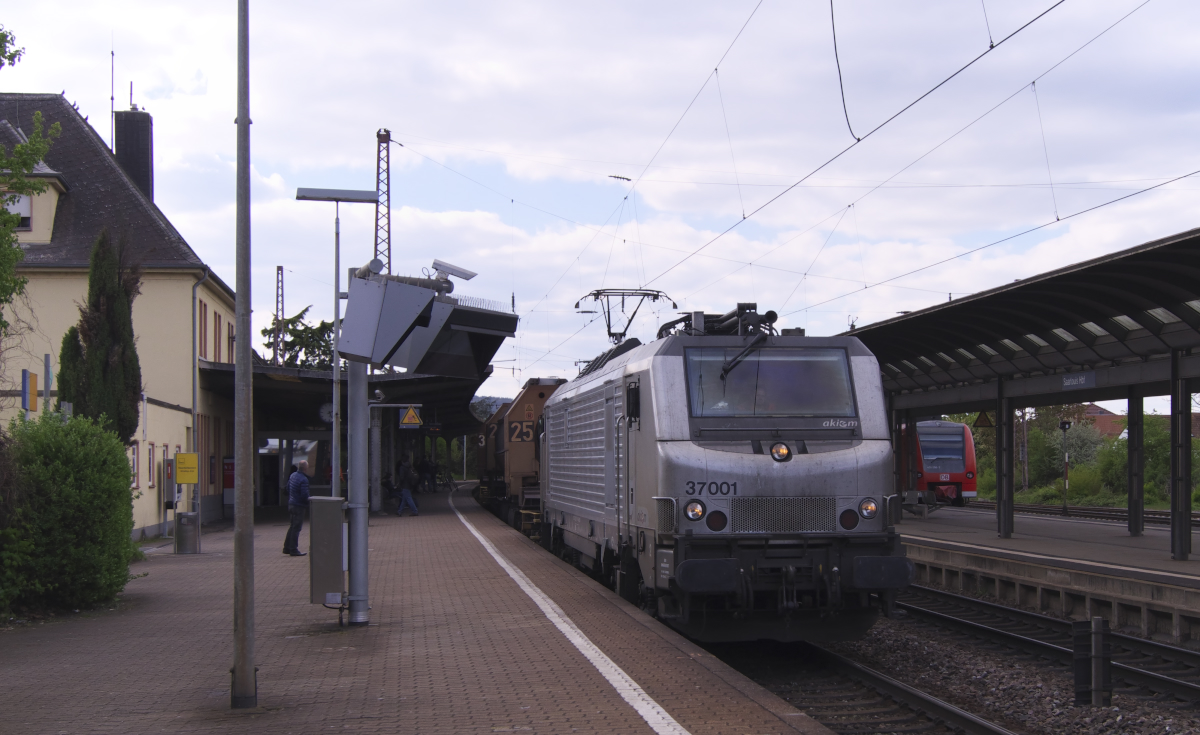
column 406, row 479
column 297, row 507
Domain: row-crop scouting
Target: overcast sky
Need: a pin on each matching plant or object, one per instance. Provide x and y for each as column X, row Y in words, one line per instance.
column 515, row 116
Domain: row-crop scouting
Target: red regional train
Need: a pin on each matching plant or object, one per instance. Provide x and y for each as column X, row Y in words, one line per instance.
column 944, row 459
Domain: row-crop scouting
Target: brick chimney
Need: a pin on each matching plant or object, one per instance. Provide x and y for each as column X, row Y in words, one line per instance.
column 135, row 147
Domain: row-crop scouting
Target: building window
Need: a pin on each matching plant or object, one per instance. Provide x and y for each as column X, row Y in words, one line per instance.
column 151, row 475
column 216, row 337
column 22, row 208
column 229, row 342
column 203, row 330
column 134, row 464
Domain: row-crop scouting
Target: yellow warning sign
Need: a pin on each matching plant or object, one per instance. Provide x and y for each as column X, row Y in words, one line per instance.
column 187, row 468
column 983, row 421
column 411, row 418
column 529, row 412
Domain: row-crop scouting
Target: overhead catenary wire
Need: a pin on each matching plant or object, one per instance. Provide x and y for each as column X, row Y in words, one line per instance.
column 560, row 344
column 696, row 97
column 1001, row 240
column 1045, row 149
column 857, row 142
column 841, row 85
column 789, row 178
column 987, row 24
column 951, row 137
column 728, row 137
column 649, row 163
column 816, row 256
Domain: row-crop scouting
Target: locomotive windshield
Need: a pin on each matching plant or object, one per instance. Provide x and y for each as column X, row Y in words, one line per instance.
column 772, row 381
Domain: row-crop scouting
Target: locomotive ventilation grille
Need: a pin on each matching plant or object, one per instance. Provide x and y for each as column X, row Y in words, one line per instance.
column 782, row 515
column 666, row 515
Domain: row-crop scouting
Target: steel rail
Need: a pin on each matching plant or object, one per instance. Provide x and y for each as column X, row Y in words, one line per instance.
column 1132, row 674
column 935, row 709
column 1088, row 512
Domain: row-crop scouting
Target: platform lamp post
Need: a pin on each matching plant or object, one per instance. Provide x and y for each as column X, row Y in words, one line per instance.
column 337, row 196
column 1064, row 425
column 243, row 690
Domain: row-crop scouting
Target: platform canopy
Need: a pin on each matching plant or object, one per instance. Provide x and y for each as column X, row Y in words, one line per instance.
column 1085, row 332
column 290, row 399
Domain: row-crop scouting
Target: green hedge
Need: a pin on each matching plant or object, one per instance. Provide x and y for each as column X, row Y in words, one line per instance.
column 65, row 540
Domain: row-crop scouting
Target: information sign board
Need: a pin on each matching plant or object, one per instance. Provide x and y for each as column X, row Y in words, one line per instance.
column 187, row 468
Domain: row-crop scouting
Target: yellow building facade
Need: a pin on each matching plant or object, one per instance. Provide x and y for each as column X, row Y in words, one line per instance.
column 91, row 189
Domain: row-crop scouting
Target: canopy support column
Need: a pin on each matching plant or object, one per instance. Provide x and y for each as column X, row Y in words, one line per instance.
column 1134, row 461
column 1004, row 462
column 1181, row 461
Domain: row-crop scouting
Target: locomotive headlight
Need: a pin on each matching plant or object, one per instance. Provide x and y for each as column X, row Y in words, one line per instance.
column 694, row 510
column 868, row 508
column 970, row 475
column 780, row 452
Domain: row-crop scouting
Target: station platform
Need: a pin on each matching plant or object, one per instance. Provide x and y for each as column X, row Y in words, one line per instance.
column 1073, row 567
column 474, row 628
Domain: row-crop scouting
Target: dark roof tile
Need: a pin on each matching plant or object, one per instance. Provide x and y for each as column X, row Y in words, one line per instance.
column 100, row 195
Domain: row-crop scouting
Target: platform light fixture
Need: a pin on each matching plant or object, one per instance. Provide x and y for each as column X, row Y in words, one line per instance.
column 337, row 196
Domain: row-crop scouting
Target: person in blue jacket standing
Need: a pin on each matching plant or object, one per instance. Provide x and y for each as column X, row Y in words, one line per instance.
column 297, row 505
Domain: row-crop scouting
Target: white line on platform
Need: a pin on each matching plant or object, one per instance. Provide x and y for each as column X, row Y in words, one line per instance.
column 654, row 715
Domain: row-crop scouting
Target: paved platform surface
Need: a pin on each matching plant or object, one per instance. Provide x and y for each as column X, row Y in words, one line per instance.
column 454, row 646
column 1062, row 541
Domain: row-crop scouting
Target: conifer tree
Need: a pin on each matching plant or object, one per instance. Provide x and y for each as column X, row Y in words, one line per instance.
column 70, row 360
column 99, row 369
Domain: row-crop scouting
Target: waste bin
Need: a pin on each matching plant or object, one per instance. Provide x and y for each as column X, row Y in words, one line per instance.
column 187, row 533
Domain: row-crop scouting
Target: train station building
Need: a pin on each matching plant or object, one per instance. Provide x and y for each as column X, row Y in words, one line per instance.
column 185, row 328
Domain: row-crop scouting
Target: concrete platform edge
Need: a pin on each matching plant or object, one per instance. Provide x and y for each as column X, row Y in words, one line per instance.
column 1185, row 581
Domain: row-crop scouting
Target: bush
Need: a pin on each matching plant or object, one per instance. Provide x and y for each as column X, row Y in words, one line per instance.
column 1111, row 459
column 985, row 483
column 1086, row 482
column 67, row 544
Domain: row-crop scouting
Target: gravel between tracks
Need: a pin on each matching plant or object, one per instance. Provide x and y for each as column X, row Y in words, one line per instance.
column 1024, row 694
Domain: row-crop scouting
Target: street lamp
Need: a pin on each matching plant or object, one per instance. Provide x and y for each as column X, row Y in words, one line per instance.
column 1064, row 425
column 337, row 196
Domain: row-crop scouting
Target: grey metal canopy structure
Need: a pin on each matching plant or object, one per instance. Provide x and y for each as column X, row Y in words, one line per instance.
column 1122, row 326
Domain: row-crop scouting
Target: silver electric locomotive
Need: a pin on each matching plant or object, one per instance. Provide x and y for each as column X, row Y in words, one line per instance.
column 734, row 481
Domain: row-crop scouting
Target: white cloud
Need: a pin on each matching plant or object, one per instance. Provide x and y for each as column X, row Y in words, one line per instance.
column 543, row 102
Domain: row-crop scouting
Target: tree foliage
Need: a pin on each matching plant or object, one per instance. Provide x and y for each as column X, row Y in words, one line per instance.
column 304, row 345
column 67, row 514
column 99, row 371
column 15, row 169
column 9, row 53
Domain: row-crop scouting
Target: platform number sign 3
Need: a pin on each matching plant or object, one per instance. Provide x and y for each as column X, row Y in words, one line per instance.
column 520, row 432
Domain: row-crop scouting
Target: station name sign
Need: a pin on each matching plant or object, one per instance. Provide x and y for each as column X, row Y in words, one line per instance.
column 1078, row 381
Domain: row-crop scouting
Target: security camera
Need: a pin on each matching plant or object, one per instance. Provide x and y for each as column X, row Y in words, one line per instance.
column 378, row 395
column 445, row 269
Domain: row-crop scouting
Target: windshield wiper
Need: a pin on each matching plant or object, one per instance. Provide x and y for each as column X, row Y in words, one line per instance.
column 733, row 362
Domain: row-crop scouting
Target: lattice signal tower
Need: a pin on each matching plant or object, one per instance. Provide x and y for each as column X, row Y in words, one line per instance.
column 383, row 207
column 277, row 341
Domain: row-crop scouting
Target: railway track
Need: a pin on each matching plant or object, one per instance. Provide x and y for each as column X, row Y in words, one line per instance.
column 847, row 697
column 1143, row 666
column 1160, row 517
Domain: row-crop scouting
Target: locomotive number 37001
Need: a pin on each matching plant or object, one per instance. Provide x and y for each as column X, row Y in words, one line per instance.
column 711, row 488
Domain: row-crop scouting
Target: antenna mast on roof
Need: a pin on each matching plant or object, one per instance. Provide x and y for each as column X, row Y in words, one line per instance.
column 277, row 341
column 383, row 205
